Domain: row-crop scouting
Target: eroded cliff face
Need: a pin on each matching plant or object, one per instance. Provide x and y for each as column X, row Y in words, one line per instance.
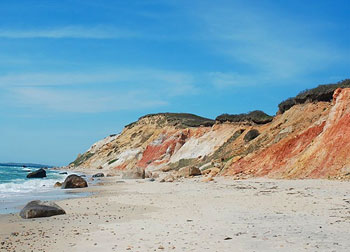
column 307, row 141
column 318, row 150
column 155, row 143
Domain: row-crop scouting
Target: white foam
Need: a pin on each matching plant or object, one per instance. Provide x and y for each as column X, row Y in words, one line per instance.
column 21, row 187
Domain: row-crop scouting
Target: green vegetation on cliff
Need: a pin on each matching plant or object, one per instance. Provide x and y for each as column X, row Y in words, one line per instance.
column 257, row 116
column 82, row 158
column 180, row 119
column 320, row 93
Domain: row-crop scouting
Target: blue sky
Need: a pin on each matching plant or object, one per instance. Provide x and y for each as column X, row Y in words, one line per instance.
column 75, row 71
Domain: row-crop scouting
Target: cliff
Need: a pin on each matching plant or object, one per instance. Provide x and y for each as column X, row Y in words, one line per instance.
column 308, row 140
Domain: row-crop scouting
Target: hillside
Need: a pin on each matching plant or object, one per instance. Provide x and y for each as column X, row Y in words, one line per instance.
column 307, row 140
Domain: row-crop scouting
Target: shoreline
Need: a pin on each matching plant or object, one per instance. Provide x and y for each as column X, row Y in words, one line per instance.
column 17, row 202
column 191, row 215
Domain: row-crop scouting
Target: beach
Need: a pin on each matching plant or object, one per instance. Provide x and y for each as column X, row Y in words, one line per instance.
column 191, row 215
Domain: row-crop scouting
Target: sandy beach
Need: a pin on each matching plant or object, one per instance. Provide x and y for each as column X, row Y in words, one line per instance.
column 191, row 215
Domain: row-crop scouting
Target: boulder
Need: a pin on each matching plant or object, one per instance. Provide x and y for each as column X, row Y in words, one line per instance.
column 37, row 209
column 136, row 173
column 98, row 175
column 212, row 172
column 169, row 178
column 74, row 181
column 57, row 184
column 189, row 171
column 41, row 173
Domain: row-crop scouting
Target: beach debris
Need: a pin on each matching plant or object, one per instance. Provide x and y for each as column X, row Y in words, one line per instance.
column 98, row 175
column 38, row 208
column 136, row 173
column 57, row 184
column 41, row 173
column 74, row 181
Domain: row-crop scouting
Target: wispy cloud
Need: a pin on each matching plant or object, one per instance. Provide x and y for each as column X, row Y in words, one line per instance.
column 75, row 32
column 83, row 101
column 270, row 46
column 142, row 76
column 91, row 92
column 229, row 79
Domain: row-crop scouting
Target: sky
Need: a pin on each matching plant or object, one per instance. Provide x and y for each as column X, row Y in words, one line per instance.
column 75, row 71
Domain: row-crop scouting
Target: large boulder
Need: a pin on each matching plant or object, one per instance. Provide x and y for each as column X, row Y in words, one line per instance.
column 189, row 171
column 136, row 173
column 74, row 181
column 98, row 175
column 37, row 209
column 41, row 173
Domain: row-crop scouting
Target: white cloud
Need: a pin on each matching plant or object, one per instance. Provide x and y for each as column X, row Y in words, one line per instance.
column 142, row 76
column 91, row 92
column 270, row 46
column 82, row 101
column 229, row 79
column 81, row 32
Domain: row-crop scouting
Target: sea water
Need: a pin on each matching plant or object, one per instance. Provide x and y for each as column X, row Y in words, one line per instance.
column 16, row 189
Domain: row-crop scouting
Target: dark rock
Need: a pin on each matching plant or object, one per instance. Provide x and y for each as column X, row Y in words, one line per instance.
column 37, row 209
column 63, row 173
column 251, row 134
column 41, row 173
column 98, row 175
column 74, row 181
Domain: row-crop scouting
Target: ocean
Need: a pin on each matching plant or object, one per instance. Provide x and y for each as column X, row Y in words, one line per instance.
column 16, row 190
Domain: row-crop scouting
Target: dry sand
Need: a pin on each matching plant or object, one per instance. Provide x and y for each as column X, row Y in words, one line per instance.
column 190, row 215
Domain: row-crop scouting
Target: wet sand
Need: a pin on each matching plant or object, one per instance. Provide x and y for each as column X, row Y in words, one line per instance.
column 190, row 215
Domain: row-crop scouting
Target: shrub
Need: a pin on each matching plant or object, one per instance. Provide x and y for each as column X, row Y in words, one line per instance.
column 180, row 119
column 256, row 116
column 82, row 158
column 112, row 161
column 320, row 93
column 251, row 134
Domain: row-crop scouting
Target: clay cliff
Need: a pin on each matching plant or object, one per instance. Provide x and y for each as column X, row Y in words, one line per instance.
column 308, row 138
